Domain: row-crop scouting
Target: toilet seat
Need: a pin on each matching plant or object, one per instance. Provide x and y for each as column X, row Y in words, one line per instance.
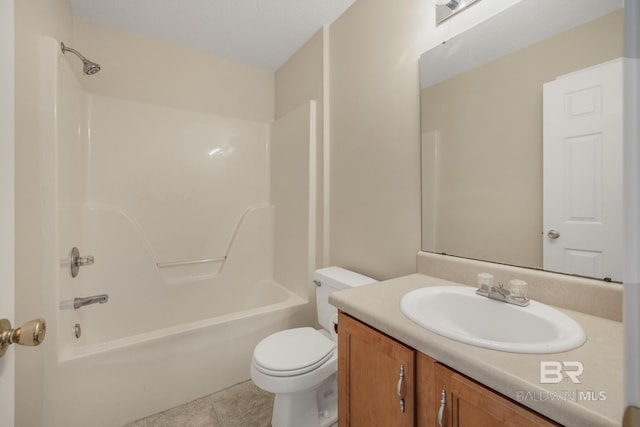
column 292, row 352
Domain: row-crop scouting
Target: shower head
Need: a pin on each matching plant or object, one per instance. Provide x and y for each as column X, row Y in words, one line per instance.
column 89, row 67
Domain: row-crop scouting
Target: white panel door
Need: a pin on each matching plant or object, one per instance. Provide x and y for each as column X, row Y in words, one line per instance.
column 583, row 176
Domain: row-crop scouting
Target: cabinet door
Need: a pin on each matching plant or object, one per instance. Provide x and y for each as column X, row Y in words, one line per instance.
column 375, row 378
column 470, row 404
column 427, row 394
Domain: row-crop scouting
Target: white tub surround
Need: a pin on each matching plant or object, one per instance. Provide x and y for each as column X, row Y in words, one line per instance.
column 175, row 208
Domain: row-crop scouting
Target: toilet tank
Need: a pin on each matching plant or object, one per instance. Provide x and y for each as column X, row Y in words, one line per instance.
column 331, row 279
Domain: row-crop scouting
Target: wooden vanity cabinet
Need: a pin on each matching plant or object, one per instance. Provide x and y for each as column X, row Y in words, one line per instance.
column 370, row 390
column 470, row 404
column 375, row 377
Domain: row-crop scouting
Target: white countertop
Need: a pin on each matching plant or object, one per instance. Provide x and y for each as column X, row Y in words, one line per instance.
column 596, row 401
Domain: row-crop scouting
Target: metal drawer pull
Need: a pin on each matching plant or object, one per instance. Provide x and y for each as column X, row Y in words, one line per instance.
column 399, row 388
column 443, row 403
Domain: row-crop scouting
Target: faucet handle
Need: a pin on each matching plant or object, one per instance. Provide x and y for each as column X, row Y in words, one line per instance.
column 485, row 281
column 518, row 288
column 76, row 261
column 84, row 260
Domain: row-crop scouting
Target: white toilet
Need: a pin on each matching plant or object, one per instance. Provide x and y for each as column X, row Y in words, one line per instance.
column 300, row 365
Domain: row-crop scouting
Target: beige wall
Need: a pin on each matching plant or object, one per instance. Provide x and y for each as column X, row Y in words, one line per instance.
column 301, row 78
column 375, row 152
column 490, row 156
column 370, row 221
column 143, row 69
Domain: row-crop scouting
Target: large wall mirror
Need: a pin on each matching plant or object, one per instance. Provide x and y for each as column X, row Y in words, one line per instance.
column 482, row 126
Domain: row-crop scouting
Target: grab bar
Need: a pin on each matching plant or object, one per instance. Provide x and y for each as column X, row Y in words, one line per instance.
column 189, row 262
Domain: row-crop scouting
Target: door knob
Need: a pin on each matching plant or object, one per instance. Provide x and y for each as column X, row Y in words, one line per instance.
column 31, row 334
column 553, row 234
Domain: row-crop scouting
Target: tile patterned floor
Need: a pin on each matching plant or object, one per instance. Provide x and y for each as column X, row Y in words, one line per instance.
column 243, row 405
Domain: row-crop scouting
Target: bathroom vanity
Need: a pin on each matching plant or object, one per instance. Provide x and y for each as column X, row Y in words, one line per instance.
column 372, row 366
column 394, row 372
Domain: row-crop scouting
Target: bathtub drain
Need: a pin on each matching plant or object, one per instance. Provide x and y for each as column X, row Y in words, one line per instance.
column 77, row 330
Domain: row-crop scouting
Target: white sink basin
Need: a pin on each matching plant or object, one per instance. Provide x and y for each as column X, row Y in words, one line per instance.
column 456, row 312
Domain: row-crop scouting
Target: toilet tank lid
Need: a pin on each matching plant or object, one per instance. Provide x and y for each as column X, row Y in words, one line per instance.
column 341, row 277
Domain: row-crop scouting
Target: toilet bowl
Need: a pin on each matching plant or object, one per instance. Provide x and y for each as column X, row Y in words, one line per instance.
column 300, row 365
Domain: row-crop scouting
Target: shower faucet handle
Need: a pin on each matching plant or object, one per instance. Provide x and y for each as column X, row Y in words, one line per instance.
column 76, row 261
column 84, row 260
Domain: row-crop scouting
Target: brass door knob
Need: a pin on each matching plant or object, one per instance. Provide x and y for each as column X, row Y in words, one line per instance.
column 31, row 333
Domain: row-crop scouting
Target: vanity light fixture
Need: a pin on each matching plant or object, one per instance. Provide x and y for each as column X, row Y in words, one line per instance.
column 445, row 9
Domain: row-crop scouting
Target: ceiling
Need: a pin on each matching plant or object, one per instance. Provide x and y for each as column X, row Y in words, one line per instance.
column 261, row 33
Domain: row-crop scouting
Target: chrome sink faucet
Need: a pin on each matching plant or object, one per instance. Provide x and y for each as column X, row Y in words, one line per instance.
column 517, row 295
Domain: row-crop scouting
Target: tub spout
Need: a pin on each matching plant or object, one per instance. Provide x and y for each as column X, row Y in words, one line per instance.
column 95, row 299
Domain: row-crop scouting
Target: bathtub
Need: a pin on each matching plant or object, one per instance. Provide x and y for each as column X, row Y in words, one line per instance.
column 159, row 341
column 115, row 382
